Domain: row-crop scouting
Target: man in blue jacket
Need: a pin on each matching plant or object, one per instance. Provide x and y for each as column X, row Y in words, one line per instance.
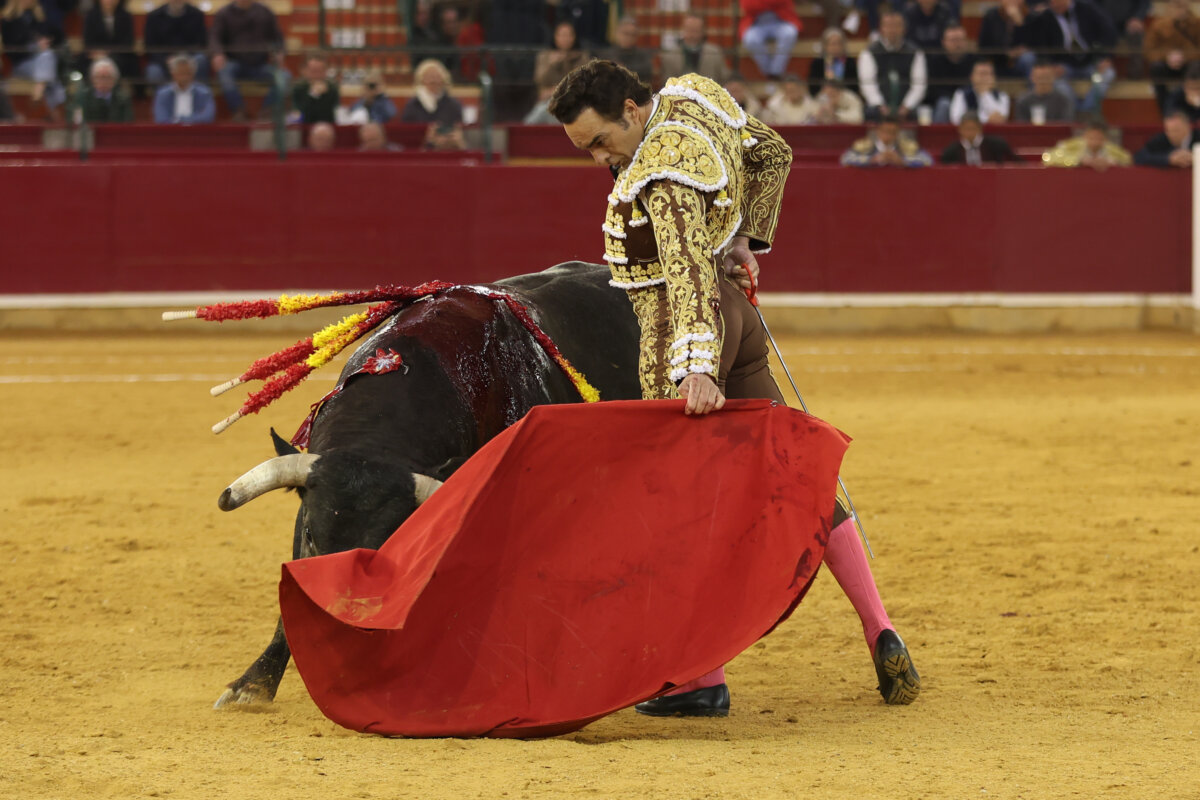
column 1172, row 147
column 183, row 102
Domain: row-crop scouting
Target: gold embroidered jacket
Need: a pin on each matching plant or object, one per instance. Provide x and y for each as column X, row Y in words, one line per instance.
column 704, row 173
column 1069, row 153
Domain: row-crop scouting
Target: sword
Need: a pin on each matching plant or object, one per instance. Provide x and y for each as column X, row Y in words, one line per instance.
column 752, row 296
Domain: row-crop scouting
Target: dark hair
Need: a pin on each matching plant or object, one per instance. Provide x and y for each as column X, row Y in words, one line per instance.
column 603, row 86
column 970, row 116
column 1042, row 62
column 890, row 118
column 1178, row 115
column 1096, row 124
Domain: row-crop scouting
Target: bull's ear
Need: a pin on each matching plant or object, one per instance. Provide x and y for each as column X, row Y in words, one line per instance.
column 447, row 468
column 282, row 446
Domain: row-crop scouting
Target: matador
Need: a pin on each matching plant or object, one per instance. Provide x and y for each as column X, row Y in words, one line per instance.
column 698, row 186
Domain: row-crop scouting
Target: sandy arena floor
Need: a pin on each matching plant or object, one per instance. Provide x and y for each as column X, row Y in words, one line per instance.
column 1033, row 502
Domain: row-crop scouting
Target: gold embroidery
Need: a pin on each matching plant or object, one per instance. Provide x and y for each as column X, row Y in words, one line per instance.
column 710, row 91
column 677, row 214
column 648, row 305
column 614, row 250
column 680, row 150
column 767, row 164
column 636, row 274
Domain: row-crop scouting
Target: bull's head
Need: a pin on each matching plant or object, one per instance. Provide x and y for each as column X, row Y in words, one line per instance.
column 347, row 500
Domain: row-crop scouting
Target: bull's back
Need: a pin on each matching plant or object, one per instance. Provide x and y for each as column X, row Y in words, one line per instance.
column 592, row 323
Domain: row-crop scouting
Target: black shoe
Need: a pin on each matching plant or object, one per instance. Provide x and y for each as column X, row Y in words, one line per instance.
column 899, row 682
column 710, row 702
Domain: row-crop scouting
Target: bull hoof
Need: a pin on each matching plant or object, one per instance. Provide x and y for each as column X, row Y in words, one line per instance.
column 247, row 697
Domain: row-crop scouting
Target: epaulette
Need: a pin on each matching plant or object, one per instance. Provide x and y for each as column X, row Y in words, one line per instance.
column 864, row 145
column 675, row 152
column 708, row 93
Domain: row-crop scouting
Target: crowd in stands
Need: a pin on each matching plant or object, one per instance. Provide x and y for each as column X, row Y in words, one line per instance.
column 918, row 66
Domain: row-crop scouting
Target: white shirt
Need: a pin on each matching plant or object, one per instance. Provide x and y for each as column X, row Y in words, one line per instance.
column 183, row 102
column 992, row 102
column 973, row 157
column 868, row 80
column 1070, row 30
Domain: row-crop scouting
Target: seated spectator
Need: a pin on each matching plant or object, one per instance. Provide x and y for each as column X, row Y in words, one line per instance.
column 108, row 33
column 515, row 27
column 949, row 71
column 322, row 137
column 1172, row 43
column 741, row 94
column 1172, row 147
column 423, row 39
column 30, row 33
column 973, row 148
column 1045, row 102
column 446, row 34
column 693, row 54
column 432, row 105
column 7, row 113
column 926, row 21
column 540, row 114
column 773, row 21
column 1092, row 149
column 625, row 51
column 834, row 105
column 183, row 101
column 589, row 19
column 1002, row 34
column 1075, row 35
column 885, row 146
column 990, row 104
column 788, row 105
column 833, row 64
column 892, row 72
column 246, row 43
column 372, row 138
column 554, row 63
column 315, row 97
column 1129, row 19
column 1187, row 97
column 175, row 27
column 105, row 99
column 374, row 102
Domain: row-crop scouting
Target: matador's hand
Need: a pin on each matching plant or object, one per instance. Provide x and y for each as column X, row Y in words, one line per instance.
column 737, row 255
column 701, row 393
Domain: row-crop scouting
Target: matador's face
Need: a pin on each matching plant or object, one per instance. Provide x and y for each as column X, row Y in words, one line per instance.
column 611, row 143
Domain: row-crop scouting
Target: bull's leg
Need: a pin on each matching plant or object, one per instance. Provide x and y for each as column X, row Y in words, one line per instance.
column 259, row 683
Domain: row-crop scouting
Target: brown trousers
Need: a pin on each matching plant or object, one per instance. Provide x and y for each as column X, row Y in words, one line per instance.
column 743, row 373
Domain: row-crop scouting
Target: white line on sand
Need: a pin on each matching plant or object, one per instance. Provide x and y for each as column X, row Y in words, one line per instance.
column 163, row 378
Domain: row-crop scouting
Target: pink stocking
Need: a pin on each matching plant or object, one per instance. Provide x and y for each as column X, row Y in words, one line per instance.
column 714, row 678
column 847, row 561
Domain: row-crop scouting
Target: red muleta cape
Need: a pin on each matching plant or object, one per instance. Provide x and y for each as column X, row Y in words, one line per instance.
column 587, row 558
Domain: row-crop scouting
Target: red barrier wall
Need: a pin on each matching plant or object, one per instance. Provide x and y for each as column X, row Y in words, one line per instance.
column 207, row 225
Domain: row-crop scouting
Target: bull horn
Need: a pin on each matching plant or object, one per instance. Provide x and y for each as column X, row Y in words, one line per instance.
column 426, row 486
column 290, row 470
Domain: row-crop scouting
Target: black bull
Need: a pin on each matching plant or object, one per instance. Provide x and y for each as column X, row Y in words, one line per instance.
column 471, row 369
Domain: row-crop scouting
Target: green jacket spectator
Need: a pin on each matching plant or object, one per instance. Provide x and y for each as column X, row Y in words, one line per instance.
column 105, row 99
